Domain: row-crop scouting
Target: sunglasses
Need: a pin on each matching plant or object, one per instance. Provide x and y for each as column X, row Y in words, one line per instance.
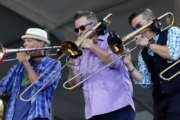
column 82, row 27
column 137, row 26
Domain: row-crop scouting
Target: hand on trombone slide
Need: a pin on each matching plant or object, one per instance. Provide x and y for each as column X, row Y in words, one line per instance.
column 126, row 57
column 22, row 57
column 142, row 41
column 135, row 74
column 88, row 42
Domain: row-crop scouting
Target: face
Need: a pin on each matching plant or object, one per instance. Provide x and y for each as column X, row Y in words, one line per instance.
column 33, row 43
column 82, row 25
column 138, row 22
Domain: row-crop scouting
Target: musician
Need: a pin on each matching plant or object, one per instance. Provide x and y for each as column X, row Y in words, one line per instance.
column 32, row 68
column 108, row 94
column 160, row 50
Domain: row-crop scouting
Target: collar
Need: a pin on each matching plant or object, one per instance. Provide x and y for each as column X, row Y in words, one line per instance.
column 103, row 37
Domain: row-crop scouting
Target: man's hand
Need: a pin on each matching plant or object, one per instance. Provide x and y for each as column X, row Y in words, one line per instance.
column 141, row 40
column 22, row 57
column 127, row 58
column 87, row 43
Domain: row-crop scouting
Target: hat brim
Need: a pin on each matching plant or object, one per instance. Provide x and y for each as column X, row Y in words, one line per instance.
column 36, row 37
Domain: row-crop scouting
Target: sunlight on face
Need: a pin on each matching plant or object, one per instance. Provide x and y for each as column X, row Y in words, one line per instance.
column 33, row 43
column 140, row 21
column 83, row 21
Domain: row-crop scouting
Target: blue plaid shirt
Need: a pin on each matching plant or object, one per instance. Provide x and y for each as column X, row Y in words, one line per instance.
column 48, row 70
column 173, row 44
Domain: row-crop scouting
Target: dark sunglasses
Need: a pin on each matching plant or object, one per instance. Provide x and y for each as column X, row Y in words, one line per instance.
column 137, row 26
column 82, row 27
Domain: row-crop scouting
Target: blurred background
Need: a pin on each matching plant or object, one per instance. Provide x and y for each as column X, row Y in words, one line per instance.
column 55, row 16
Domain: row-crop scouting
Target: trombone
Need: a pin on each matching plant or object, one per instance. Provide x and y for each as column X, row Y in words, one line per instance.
column 107, row 20
column 88, row 77
column 64, row 49
column 167, row 69
column 67, row 47
column 4, row 51
column 73, row 46
column 118, row 45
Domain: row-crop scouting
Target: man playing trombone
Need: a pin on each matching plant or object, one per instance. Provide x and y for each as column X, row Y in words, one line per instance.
column 108, row 93
column 33, row 69
column 154, row 58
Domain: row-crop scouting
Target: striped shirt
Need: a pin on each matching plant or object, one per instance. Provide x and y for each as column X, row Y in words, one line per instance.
column 48, row 70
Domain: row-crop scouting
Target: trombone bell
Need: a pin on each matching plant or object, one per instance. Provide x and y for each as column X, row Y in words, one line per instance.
column 68, row 47
column 166, row 20
column 115, row 44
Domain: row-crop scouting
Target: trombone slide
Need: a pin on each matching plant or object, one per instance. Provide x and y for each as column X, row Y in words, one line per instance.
column 168, row 68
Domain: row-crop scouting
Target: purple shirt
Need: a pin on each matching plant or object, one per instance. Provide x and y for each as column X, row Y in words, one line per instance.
column 108, row 90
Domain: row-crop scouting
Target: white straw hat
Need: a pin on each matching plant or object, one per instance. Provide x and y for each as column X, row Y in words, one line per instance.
column 36, row 33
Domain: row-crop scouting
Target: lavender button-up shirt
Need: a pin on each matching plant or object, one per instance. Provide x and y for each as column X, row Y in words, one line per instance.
column 105, row 91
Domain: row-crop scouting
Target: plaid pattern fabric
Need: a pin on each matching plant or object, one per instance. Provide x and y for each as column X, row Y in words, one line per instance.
column 49, row 76
column 173, row 43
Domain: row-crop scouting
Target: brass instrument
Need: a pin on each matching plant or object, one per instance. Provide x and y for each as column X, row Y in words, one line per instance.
column 67, row 47
column 4, row 51
column 107, row 20
column 1, row 109
column 69, row 87
column 65, row 84
column 168, row 68
column 72, row 47
column 118, row 45
column 64, row 48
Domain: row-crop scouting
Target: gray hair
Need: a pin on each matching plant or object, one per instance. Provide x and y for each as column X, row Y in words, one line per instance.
column 88, row 14
column 148, row 14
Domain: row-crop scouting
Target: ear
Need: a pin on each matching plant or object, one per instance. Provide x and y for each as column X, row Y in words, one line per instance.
column 42, row 44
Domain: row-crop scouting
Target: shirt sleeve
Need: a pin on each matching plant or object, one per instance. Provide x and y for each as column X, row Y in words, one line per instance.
column 49, row 77
column 6, row 81
column 146, row 79
column 173, row 43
